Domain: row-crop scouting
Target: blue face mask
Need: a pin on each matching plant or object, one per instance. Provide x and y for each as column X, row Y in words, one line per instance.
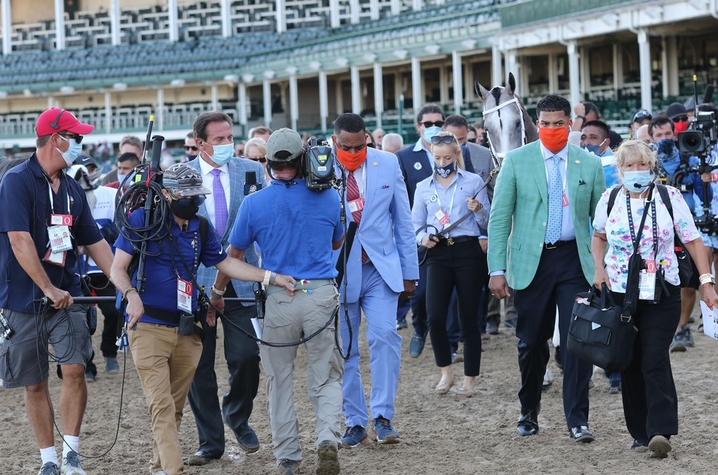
column 638, row 181
column 222, row 154
column 446, row 170
column 594, row 149
column 430, row 132
column 73, row 151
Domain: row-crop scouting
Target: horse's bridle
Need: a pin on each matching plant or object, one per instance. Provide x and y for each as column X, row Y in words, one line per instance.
column 495, row 156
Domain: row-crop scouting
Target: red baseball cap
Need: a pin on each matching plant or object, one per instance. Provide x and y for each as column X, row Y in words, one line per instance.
column 56, row 120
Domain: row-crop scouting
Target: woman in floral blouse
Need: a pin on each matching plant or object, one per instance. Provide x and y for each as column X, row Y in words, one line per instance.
column 650, row 403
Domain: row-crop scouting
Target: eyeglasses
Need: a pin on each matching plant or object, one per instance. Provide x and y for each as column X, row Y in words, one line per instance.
column 76, row 138
column 445, row 139
column 680, row 118
column 261, row 159
column 190, row 147
column 438, row 123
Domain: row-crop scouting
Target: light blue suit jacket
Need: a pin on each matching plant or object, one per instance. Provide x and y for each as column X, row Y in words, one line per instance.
column 385, row 232
column 238, row 167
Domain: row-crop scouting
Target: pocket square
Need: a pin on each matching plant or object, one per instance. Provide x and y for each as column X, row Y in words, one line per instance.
column 384, row 187
column 581, row 182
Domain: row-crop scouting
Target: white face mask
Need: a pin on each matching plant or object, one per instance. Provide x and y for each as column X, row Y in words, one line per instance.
column 73, row 151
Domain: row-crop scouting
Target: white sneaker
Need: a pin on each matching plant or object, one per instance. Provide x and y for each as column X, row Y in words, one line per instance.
column 547, row 378
column 71, row 464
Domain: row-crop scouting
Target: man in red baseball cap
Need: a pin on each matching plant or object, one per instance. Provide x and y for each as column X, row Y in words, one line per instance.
column 45, row 220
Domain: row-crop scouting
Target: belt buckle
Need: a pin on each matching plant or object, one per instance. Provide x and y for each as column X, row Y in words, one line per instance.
column 449, row 241
column 551, row 246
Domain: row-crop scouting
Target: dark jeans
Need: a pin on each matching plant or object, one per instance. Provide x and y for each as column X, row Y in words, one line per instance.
column 242, row 355
column 461, row 266
column 558, row 279
column 650, row 403
column 420, row 320
column 112, row 327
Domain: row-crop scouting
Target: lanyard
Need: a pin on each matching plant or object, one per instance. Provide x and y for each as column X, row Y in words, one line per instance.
column 52, row 202
column 652, row 205
column 453, row 195
column 361, row 183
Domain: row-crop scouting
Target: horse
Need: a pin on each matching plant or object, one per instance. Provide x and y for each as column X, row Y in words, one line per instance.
column 506, row 121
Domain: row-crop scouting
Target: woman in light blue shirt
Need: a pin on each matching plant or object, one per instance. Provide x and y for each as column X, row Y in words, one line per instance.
column 450, row 214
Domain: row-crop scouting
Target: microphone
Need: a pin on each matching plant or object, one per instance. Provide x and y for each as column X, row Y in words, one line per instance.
column 250, row 183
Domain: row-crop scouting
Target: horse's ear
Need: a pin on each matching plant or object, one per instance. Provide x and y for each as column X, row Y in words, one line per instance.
column 512, row 84
column 480, row 90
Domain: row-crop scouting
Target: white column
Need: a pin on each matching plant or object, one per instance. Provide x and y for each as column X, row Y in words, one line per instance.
column 5, row 6
column 417, row 5
column 281, row 14
column 644, row 58
column 469, row 83
column 59, row 24
column 173, row 25
column 115, row 32
column 50, row 102
column 573, row 74
column 512, row 63
column 443, row 85
column 523, row 78
column 334, row 13
column 585, row 74
column 339, row 96
column 552, row 74
column 160, row 109
column 417, row 91
column 242, row 103
column 497, row 70
column 293, row 102
column 378, row 92
column 374, row 9
column 398, row 88
column 669, row 60
column 395, row 7
column 356, row 89
column 214, row 97
column 323, row 100
column 617, row 68
column 458, row 77
column 354, row 10
column 108, row 112
column 226, row 19
column 267, row 101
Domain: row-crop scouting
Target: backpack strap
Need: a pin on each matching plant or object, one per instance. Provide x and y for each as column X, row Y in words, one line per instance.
column 203, row 230
column 665, row 197
column 612, row 199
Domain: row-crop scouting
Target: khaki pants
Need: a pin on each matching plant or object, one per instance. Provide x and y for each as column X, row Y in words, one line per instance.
column 288, row 319
column 165, row 362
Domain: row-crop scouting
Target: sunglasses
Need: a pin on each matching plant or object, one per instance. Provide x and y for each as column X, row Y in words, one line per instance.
column 438, row 123
column 680, row 118
column 445, row 139
column 191, row 147
column 258, row 159
column 76, row 138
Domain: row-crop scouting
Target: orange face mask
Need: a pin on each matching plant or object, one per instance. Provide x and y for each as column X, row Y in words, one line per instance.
column 554, row 138
column 351, row 160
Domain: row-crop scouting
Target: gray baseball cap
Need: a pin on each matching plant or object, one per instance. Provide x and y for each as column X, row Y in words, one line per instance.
column 284, row 145
column 183, row 181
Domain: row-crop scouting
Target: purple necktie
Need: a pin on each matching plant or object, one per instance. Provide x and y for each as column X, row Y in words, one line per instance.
column 220, row 204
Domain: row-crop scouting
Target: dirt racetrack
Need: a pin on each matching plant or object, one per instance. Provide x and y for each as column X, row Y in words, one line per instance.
column 440, row 434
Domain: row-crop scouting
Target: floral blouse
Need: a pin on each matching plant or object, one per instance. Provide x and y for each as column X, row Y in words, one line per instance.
column 618, row 234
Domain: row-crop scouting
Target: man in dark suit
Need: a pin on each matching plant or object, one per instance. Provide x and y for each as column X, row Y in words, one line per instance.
column 230, row 180
column 416, row 163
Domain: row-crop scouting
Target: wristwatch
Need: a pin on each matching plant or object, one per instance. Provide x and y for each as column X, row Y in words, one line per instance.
column 707, row 279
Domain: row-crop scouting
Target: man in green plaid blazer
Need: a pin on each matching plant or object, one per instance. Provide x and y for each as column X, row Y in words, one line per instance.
column 540, row 246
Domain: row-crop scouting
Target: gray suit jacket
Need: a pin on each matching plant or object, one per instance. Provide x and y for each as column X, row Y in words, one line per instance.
column 238, row 168
column 480, row 158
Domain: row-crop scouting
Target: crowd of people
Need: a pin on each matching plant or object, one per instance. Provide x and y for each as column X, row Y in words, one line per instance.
column 440, row 229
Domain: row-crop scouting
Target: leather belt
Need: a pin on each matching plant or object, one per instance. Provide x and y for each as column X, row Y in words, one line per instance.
column 450, row 241
column 557, row 244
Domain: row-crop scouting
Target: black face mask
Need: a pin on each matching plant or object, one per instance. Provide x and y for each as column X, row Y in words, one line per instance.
column 191, row 157
column 186, row 208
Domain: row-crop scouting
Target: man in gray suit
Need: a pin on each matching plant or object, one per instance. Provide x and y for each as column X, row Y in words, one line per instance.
column 230, row 179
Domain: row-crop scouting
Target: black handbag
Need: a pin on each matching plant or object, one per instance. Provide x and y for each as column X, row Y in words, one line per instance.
column 599, row 333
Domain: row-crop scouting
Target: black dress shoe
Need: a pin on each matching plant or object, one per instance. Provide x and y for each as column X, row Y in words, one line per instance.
column 248, row 440
column 528, row 425
column 202, row 458
column 581, row 434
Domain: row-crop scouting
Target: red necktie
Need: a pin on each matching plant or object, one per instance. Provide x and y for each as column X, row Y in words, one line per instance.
column 353, row 194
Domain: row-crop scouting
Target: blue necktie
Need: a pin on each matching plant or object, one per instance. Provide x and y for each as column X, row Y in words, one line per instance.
column 555, row 201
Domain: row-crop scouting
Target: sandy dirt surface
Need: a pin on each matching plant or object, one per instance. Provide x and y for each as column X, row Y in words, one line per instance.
column 440, row 434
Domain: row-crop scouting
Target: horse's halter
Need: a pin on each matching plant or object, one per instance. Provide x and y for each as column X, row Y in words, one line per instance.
column 495, row 156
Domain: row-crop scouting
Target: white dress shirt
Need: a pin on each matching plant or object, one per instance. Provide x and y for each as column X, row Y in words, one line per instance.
column 567, row 231
column 208, row 182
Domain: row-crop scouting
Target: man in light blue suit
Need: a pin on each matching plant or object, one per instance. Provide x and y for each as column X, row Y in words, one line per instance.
column 381, row 263
column 230, row 179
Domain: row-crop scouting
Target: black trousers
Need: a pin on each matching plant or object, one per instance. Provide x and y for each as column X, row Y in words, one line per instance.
column 242, row 355
column 558, row 279
column 113, row 321
column 650, row 403
column 420, row 319
column 461, row 266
